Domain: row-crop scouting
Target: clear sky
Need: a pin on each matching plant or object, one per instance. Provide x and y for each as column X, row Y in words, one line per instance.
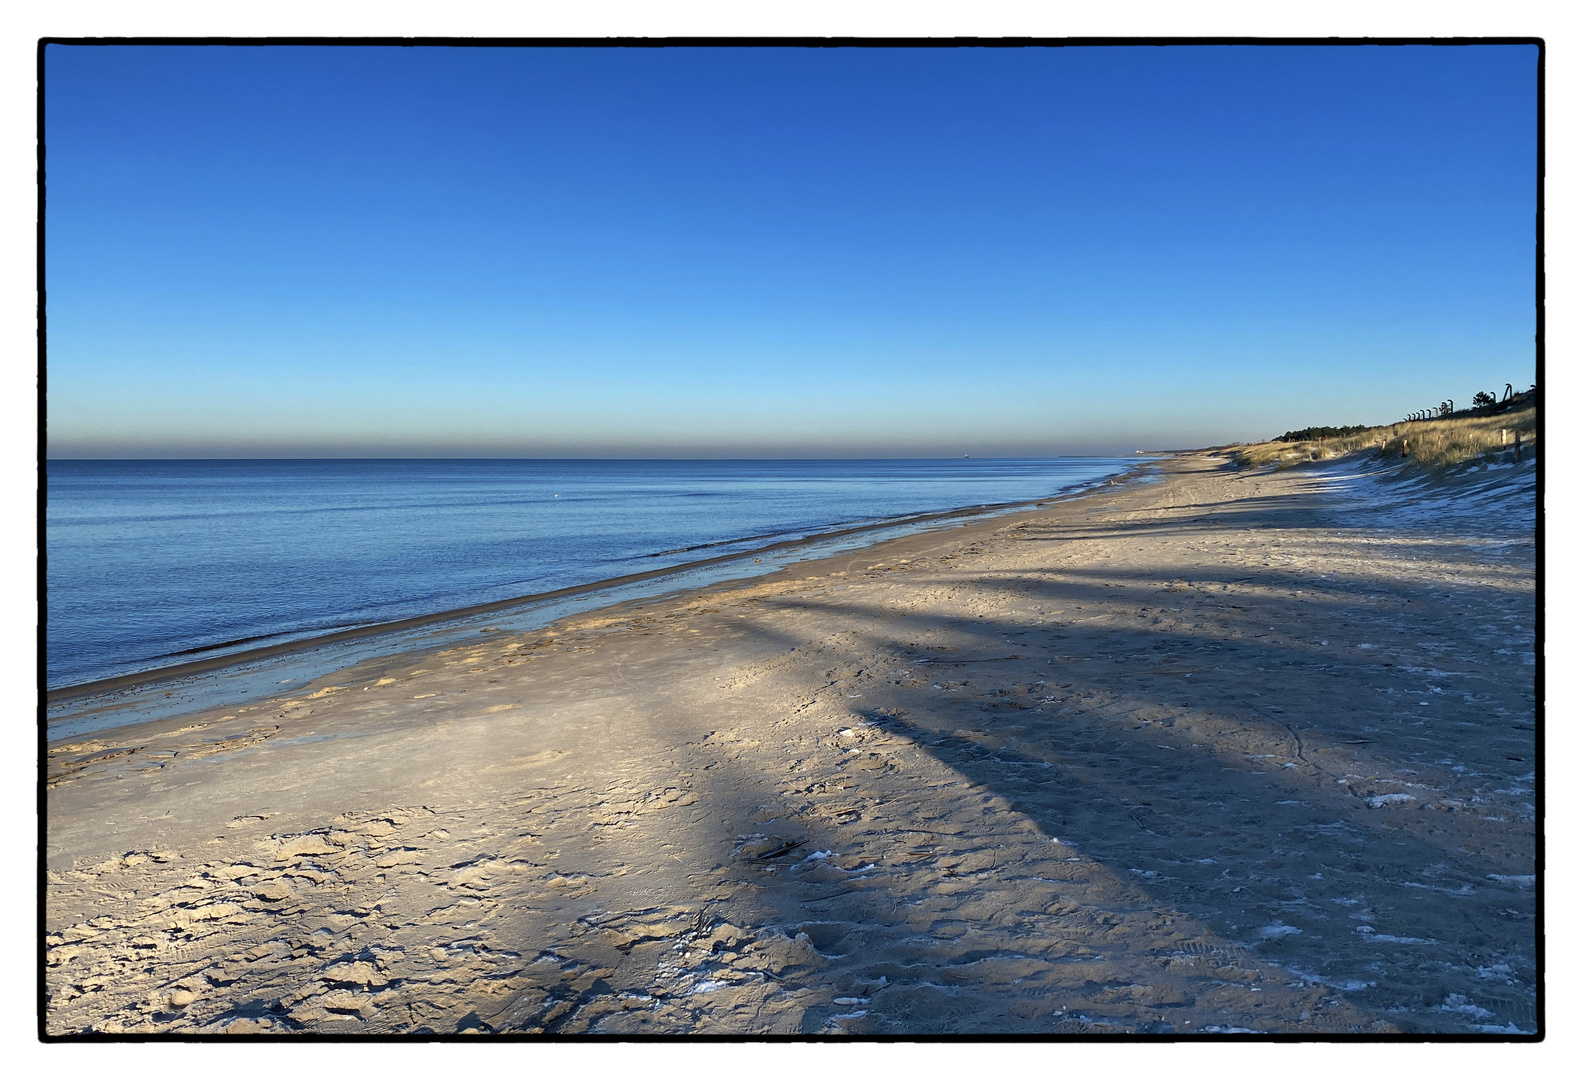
column 337, row 251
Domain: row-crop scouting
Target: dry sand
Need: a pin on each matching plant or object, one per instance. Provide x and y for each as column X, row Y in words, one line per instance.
column 1226, row 752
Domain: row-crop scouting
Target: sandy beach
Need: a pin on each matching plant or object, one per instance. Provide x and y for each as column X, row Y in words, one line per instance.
column 1226, row 752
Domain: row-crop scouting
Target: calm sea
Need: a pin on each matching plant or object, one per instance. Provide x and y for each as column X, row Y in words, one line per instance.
column 155, row 562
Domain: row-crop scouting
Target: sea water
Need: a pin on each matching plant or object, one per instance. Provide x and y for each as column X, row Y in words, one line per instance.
column 150, row 563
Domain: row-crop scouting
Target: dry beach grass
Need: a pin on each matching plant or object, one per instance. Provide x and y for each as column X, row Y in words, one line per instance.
column 1239, row 750
column 1430, row 443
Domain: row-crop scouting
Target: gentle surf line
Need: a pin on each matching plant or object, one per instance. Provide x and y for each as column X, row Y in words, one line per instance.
column 711, row 543
column 213, row 663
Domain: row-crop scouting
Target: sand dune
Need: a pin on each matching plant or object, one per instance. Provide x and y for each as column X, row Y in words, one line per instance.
column 1227, row 752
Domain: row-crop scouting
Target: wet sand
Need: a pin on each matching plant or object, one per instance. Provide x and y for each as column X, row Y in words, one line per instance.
column 1229, row 752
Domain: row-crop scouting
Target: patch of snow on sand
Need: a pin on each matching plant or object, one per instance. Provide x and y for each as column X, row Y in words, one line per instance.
column 1369, row 933
column 1457, row 1003
column 1348, row 985
column 1504, row 500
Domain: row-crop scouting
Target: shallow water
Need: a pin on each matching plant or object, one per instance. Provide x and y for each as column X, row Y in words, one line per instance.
column 150, row 563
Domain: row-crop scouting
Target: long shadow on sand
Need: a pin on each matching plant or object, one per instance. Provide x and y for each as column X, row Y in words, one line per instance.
column 1366, row 845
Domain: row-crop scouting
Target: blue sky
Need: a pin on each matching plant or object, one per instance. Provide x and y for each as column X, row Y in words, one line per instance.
column 777, row 252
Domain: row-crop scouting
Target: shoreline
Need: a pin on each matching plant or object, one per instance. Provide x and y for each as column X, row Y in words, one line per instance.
column 1228, row 752
column 219, row 664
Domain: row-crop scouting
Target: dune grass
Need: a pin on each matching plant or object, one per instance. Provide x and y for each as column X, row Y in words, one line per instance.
column 1435, row 444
